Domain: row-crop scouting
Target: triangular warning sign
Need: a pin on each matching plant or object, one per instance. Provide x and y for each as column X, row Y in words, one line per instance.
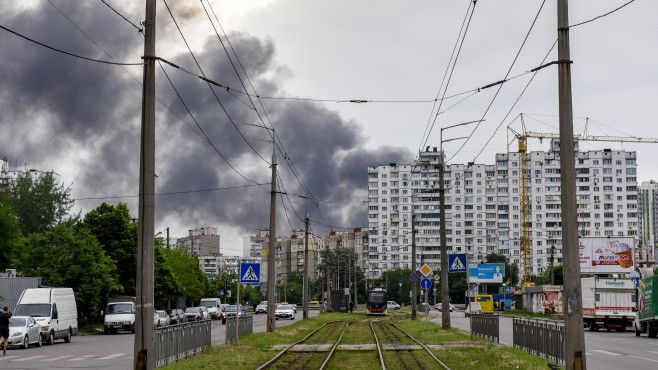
column 457, row 265
column 250, row 275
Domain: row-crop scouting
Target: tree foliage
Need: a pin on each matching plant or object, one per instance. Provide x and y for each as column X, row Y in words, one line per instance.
column 39, row 203
column 69, row 256
column 117, row 235
column 10, row 234
column 189, row 277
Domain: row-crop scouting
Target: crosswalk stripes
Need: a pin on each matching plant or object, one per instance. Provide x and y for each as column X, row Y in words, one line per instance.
column 58, row 358
column 16, row 357
column 29, row 358
column 112, row 356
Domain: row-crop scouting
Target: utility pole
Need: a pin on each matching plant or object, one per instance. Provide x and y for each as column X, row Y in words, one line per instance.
column 413, row 266
column 167, row 237
column 574, row 338
column 326, row 273
column 271, row 268
column 305, row 299
column 445, row 293
column 143, row 346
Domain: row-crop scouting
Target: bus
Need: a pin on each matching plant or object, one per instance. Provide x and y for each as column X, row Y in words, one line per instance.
column 376, row 302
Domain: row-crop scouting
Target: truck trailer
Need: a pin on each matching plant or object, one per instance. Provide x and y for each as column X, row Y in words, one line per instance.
column 647, row 307
column 608, row 303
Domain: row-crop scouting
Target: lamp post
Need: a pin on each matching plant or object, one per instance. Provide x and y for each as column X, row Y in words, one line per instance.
column 445, row 294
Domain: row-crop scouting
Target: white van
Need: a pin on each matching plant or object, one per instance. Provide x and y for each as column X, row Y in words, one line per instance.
column 213, row 306
column 54, row 309
column 120, row 315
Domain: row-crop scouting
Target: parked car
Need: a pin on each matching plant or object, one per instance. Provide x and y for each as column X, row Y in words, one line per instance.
column 285, row 311
column 261, row 308
column 24, row 331
column 194, row 314
column 119, row 315
column 473, row 308
column 163, row 317
column 232, row 311
column 205, row 314
column 54, row 309
column 393, row 305
column 176, row 316
column 156, row 319
column 439, row 307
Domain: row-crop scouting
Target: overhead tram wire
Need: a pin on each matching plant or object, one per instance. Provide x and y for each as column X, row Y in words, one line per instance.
column 501, row 82
column 428, row 128
column 139, row 29
column 66, row 52
column 210, row 85
column 273, row 134
column 601, row 16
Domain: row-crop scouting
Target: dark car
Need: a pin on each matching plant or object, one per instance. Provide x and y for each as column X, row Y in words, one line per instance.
column 194, row 314
column 176, row 316
column 231, row 311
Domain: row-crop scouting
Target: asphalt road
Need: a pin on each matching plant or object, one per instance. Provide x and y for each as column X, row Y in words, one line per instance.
column 105, row 351
column 604, row 350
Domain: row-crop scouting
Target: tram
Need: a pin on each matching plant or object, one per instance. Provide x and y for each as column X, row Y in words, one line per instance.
column 376, row 300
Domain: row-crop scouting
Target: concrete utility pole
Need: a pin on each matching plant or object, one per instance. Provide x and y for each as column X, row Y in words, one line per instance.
column 143, row 348
column 326, row 273
column 271, row 268
column 574, row 338
column 445, row 292
column 413, row 266
column 305, row 299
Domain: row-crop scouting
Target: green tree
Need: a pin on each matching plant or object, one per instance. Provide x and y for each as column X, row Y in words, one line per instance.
column 69, row 256
column 117, row 234
column 39, row 203
column 189, row 277
column 165, row 287
column 10, row 234
column 545, row 277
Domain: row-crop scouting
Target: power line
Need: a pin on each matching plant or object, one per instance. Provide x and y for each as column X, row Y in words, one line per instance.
column 173, row 192
column 139, row 29
column 600, row 16
column 66, row 52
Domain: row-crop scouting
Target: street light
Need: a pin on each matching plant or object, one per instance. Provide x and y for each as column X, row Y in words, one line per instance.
column 445, row 293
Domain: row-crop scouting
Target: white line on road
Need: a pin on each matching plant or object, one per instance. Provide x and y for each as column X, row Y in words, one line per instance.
column 28, row 358
column 656, row 352
column 112, row 356
column 605, row 352
column 87, row 357
column 57, row 358
column 643, row 358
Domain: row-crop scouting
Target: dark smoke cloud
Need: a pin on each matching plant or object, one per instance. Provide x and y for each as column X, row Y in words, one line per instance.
column 59, row 111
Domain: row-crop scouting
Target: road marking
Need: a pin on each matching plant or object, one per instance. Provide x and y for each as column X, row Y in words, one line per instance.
column 643, row 358
column 656, row 352
column 28, row 358
column 87, row 357
column 112, row 356
column 57, row 358
column 606, row 352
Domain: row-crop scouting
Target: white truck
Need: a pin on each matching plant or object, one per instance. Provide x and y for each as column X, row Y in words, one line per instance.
column 213, row 305
column 608, row 303
column 120, row 315
column 52, row 308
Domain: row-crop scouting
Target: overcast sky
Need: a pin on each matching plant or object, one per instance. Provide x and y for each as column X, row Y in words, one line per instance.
column 82, row 119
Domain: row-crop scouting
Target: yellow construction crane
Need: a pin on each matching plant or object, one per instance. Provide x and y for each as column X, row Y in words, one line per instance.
column 525, row 240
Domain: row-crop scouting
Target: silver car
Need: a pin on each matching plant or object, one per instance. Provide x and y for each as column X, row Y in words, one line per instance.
column 163, row 318
column 24, row 331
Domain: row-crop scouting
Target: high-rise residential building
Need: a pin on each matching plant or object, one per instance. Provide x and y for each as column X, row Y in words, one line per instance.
column 648, row 222
column 482, row 206
column 201, row 242
column 8, row 177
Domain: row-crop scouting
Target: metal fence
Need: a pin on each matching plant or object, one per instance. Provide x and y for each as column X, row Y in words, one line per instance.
column 540, row 337
column 175, row 342
column 486, row 326
column 245, row 325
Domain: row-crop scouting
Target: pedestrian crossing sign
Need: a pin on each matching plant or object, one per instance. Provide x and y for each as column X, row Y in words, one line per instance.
column 457, row 262
column 250, row 273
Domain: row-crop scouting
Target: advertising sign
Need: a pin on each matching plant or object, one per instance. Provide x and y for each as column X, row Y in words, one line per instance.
column 487, row 273
column 600, row 255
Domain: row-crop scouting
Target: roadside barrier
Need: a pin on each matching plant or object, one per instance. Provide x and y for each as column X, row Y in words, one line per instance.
column 175, row 342
column 486, row 326
column 245, row 325
column 540, row 337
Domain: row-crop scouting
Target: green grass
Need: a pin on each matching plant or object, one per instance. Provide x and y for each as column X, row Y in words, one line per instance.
column 91, row 328
column 519, row 313
column 254, row 350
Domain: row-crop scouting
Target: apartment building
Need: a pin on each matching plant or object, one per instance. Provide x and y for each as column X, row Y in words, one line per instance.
column 482, row 206
column 648, row 223
column 201, row 242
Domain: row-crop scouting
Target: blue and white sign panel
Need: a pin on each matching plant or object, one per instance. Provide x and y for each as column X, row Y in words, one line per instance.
column 457, row 262
column 250, row 273
column 487, row 273
column 426, row 283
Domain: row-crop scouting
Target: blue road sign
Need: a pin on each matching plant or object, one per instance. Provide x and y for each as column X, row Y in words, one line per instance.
column 457, row 262
column 221, row 292
column 250, row 273
column 413, row 277
column 508, row 289
column 426, row 283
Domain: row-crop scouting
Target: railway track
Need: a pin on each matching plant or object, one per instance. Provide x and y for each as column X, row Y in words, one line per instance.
column 395, row 348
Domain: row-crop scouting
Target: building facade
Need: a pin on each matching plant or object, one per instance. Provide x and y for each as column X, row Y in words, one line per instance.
column 201, row 242
column 482, row 206
column 648, row 222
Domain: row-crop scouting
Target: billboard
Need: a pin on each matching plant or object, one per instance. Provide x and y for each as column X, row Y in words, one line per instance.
column 487, row 273
column 602, row 255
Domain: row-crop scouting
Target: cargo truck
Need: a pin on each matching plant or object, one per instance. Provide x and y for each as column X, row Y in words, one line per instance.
column 647, row 307
column 608, row 303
